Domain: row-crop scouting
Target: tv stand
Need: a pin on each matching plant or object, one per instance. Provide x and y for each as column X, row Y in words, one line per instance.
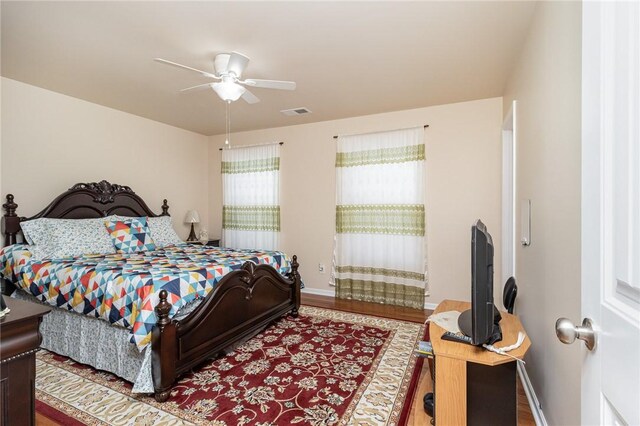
column 473, row 385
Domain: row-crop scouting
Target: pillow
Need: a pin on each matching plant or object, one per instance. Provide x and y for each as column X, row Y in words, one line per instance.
column 162, row 231
column 130, row 235
column 29, row 228
column 53, row 238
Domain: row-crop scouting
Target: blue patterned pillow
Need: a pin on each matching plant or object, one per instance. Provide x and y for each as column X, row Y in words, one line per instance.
column 130, row 235
column 56, row 238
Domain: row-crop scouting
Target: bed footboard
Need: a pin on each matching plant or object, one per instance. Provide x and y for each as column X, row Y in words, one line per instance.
column 241, row 305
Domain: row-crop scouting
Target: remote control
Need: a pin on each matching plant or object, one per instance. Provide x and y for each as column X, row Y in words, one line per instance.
column 454, row 337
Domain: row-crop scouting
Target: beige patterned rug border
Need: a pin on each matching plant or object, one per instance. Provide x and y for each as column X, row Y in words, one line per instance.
column 69, row 410
column 379, row 399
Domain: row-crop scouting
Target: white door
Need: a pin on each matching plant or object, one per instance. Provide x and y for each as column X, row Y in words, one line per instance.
column 611, row 211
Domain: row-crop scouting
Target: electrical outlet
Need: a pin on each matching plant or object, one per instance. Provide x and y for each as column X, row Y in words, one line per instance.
column 321, row 268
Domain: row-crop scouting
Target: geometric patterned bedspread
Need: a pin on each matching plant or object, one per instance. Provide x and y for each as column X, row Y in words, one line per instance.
column 123, row 288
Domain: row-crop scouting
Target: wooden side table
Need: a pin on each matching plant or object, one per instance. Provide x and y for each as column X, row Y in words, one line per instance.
column 20, row 339
column 474, row 386
column 213, row 243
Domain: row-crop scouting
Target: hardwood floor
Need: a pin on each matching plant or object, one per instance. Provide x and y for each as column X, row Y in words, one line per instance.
column 45, row 421
column 417, row 417
column 388, row 311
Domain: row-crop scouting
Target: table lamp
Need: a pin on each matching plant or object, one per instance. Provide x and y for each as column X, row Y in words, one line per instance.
column 192, row 217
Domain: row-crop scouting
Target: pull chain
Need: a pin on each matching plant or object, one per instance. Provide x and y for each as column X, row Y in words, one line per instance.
column 228, row 125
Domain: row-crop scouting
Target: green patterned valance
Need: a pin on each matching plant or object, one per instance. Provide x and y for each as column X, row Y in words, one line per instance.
column 400, row 154
column 401, row 219
column 251, row 166
column 365, row 270
column 251, row 218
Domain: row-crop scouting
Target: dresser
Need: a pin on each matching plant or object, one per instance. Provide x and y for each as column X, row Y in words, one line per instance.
column 19, row 341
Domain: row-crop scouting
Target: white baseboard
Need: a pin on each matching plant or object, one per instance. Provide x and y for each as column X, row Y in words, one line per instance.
column 538, row 415
column 319, row 292
column 429, row 305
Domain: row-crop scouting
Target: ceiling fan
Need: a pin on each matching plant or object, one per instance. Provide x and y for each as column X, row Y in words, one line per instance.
column 228, row 69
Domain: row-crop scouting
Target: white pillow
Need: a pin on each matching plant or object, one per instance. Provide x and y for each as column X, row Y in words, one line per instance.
column 162, row 231
column 54, row 238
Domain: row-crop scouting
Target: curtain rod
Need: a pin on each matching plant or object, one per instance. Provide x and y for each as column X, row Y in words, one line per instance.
column 259, row 144
column 425, row 126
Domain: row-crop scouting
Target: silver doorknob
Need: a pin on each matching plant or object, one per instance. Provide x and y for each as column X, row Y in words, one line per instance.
column 568, row 333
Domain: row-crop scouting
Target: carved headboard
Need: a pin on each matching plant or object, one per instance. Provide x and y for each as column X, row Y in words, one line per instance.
column 82, row 201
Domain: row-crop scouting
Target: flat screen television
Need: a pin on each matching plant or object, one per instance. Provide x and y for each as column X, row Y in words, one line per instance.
column 481, row 322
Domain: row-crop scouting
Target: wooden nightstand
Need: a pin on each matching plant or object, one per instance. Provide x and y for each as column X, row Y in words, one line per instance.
column 213, row 243
column 19, row 341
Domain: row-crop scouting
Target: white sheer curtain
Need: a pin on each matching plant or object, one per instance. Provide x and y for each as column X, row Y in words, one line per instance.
column 380, row 218
column 251, row 197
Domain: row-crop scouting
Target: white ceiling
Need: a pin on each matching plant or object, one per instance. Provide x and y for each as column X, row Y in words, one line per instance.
column 348, row 58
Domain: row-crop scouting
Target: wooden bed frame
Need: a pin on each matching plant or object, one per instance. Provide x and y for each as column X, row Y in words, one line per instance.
column 243, row 303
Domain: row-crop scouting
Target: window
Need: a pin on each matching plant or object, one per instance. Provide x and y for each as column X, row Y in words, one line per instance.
column 380, row 251
column 251, row 201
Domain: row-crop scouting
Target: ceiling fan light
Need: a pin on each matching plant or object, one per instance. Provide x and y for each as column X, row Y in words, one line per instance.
column 228, row 91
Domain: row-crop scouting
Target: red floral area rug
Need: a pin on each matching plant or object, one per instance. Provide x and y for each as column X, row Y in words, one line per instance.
column 323, row 368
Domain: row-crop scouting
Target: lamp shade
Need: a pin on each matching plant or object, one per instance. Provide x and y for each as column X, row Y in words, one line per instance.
column 192, row 217
column 228, row 91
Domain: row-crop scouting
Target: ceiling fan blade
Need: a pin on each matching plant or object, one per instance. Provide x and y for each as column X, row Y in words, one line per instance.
column 237, row 63
column 270, row 84
column 250, row 98
column 174, row 64
column 198, row 87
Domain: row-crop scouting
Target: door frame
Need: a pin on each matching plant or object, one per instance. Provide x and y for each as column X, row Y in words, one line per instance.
column 591, row 163
column 509, row 147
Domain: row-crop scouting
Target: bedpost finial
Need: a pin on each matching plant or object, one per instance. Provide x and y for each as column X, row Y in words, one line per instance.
column 162, row 310
column 297, row 283
column 294, row 267
column 10, row 206
column 165, row 208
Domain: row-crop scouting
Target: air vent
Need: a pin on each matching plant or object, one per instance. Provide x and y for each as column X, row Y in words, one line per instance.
column 296, row 111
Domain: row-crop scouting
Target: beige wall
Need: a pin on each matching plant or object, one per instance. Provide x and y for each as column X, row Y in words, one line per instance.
column 463, row 184
column 51, row 141
column 546, row 84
